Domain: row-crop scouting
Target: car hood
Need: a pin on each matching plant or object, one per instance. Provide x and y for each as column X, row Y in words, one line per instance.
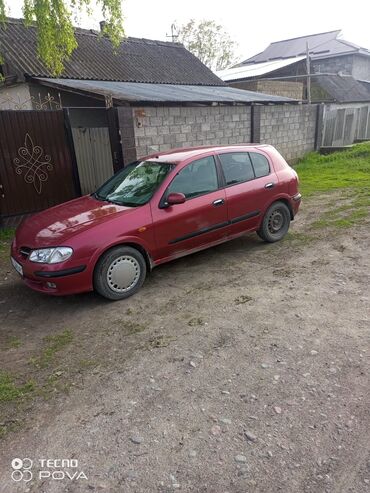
column 56, row 225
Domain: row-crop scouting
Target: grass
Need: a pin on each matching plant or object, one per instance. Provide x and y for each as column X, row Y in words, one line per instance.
column 6, row 235
column 347, row 172
column 54, row 344
column 297, row 238
column 10, row 391
column 12, row 342
column 349, row 169
column 128, row 327
column 334, row 218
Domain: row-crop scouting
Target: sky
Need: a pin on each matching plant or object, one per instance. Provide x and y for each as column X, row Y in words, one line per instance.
column 253, row 25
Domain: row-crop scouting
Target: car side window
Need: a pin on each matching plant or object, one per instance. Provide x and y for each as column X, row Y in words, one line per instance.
column 260, row 164
column 237, row 167
column 197, row 178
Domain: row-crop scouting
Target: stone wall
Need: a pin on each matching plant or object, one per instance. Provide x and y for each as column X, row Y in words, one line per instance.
column 291, row 129
column 163, row 128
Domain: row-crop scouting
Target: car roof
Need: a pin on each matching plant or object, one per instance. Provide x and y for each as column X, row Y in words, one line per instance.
column 175, row 156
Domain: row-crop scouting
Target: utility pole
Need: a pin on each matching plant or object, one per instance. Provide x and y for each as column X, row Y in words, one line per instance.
column 173, row 34
column 308, row 68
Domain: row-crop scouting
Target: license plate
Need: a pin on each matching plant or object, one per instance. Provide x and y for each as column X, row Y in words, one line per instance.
column 17, row 266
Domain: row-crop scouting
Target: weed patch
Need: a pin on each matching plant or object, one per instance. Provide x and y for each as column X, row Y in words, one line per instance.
column 6, row 235
column 196, row 321
column 12, row 342
column 54, row 344
column 10, row 391
column 243, row 298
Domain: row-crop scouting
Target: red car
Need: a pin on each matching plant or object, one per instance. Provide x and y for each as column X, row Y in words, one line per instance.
column 155, row 210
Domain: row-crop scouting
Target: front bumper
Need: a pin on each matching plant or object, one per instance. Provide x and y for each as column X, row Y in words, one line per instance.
column 61, row 279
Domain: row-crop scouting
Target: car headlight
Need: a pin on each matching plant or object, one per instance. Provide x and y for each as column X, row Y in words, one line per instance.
column 50, row 255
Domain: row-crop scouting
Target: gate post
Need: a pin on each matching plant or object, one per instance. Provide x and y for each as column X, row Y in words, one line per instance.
column 255, row 124
column 127, row 132
column 115, row 139
column 319, row 126
column 68, row 128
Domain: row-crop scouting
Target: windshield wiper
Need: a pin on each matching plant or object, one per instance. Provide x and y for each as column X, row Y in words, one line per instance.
column 123, row 204
column 97, row 196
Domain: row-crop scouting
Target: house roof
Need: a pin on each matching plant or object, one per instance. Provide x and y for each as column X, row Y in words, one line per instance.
column 320, row 45
column 256, row 69
column 343, row 88
column 136, row 60
column 134, row 92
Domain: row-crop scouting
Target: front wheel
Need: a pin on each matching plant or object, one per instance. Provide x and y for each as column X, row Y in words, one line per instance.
column 275, row 224
column 119, row 273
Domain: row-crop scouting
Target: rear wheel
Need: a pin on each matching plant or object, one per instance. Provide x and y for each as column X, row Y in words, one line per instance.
column 119, row 273
column 275, row 224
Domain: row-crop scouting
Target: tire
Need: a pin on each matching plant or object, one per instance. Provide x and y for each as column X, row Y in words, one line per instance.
column 119, row 273
column 275, row 224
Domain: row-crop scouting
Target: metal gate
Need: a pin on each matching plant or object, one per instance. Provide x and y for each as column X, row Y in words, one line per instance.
column 94, row 156
column 342, row 126
column 36, row 169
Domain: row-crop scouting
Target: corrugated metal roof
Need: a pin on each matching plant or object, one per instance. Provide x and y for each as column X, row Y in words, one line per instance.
column 136, row 60
column 162, row 93
column 343, row 89
column 256, row 69
column 320, row 46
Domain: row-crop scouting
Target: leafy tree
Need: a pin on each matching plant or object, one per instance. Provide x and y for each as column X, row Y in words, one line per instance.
column 55, row 33
column 208, row 41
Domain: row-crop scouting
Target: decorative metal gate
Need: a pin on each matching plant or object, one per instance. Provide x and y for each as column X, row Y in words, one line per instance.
column 36, row 168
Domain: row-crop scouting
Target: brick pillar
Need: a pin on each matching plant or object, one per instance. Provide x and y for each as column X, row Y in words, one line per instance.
column 126, row 126
column 255, row 124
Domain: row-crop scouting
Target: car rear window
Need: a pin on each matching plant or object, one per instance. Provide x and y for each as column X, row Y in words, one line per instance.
column 260, row 164
column 237, row 167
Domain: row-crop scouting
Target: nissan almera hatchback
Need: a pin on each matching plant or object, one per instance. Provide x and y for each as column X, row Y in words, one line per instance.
column 155, row 210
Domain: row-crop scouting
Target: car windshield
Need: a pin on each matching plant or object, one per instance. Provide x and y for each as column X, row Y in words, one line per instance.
column 135, row 184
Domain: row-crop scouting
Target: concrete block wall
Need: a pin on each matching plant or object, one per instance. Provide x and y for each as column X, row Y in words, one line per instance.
column 163, row 128
column 291, row 129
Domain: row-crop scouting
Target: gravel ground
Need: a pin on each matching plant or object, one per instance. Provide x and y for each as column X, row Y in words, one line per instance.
column 244, row 368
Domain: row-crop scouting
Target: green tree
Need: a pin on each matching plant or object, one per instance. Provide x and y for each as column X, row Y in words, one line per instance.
column 208, row 41
column 55, row 32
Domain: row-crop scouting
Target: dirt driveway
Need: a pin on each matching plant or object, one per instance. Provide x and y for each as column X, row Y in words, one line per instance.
column 244, row 368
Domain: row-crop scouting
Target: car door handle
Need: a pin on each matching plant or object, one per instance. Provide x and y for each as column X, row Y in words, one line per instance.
column 270, row 185
column 218, row 202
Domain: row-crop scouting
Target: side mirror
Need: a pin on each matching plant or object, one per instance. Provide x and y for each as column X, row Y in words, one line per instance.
column 175, row 198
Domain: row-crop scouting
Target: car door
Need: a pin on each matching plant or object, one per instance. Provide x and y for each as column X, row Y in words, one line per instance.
column 250, row 180
column 200, row 220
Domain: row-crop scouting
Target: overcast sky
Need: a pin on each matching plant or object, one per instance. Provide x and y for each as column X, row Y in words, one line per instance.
column 253, row 25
